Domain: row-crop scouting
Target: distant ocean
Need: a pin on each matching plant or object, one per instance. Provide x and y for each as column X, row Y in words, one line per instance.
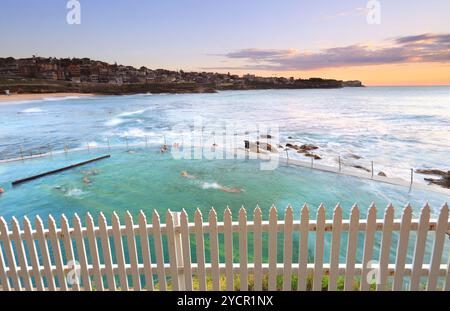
column 396, row 127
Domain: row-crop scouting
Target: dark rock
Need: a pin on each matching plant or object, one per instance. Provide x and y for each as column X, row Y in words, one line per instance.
column 382, row 174
column 432, row 172
column 361, row 168
column 308, row 147
column 313, row 155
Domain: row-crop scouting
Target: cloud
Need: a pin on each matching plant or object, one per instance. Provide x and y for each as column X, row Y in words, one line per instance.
column 408, row 49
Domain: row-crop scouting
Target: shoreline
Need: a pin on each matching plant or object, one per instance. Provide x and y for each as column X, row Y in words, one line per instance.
column 25, row 98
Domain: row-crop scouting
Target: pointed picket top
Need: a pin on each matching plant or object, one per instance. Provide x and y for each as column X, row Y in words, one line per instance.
column 305, row 211
column 198, row 216
column 354, row 213
column 407, row 211
column 64, row 221
column 169, row 217
column 155, row 216
column 142, row 217
column 89, row 218
column 51, row 221
column 26, row 222
column 115, row 219
column 102, row 219
column 372, row 212
column 257, row 212
column 389, row 212
column 273, row 212
column 243, row 213
column 76, row 220
column 337, row 211
column 321, row 211
column 3, row 225
column 184, row 216
column 227, row 213
column 212, row 214
column 289, row 214
column 444, row 211
column 38, row 222
column 425, row 212
column 129, row 219
column 15, row 223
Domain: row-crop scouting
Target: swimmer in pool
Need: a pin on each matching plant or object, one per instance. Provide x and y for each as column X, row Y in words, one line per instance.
column 186, row 175
column 86, row 180
column 2, row 191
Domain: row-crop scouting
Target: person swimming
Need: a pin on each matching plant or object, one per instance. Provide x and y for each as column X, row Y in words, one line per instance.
column 231, row 190
column 2, row 190
column 186, row 175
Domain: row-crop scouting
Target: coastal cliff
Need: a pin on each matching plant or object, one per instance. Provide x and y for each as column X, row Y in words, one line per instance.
column 51, row 75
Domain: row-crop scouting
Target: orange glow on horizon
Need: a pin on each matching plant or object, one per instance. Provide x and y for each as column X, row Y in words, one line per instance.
column 376, row 75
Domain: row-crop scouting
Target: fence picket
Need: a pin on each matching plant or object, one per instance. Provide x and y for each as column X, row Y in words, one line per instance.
column 172, row 249
column 68, row 247
column 228, row 240
column 118, row 245
column 335, row 248
column 273, row 248
column 82, row 258
column 257, row 247
column 159, row 251
column 200, row 249
column 145, row 249
column 3, row 275
column 93, row 247
column 402, row 248
column 385, row 247
column 14, row 275
column 106, row 250
column 303, row 249
column 214, row 249
column 420, row 248
column 351, row 249
column 35, row 265
column 67, row 241
column 243, row 258
column 132, row 251
column 42, row 240
column 20, row 250
column 38, row 265
column 287, row 256
column 186, row 246
column 318, row 252
column 369, row 237
column 439, row 239
column 56, row 250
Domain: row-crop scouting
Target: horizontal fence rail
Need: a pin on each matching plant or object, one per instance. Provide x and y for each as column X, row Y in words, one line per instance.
column 296, row 253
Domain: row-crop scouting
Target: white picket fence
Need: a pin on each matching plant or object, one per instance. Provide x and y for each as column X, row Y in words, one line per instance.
column 119, row 257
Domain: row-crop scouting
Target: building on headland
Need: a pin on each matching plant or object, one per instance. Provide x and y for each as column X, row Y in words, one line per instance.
column 85, row 71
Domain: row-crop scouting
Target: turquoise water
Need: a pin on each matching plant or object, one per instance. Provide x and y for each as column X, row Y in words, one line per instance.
column 148, row 180
column 398, row 128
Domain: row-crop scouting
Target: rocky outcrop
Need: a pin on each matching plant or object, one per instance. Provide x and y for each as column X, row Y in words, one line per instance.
column 361, row 168
column 382, row 174
column 436, row 172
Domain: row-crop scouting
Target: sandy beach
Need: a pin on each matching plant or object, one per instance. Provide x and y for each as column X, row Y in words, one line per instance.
column 19, row 98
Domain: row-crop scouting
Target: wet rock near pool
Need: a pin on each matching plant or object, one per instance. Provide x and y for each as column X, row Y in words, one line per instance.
column 382, row 174
column 361, row 168
column 313, row 155
column 302, row 148
column 436, row 172
column 443, row 182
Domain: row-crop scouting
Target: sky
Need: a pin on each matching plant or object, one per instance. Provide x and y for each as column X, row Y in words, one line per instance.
column 301, row 38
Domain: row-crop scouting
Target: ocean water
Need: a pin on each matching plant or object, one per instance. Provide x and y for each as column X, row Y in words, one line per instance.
column 397, row 128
